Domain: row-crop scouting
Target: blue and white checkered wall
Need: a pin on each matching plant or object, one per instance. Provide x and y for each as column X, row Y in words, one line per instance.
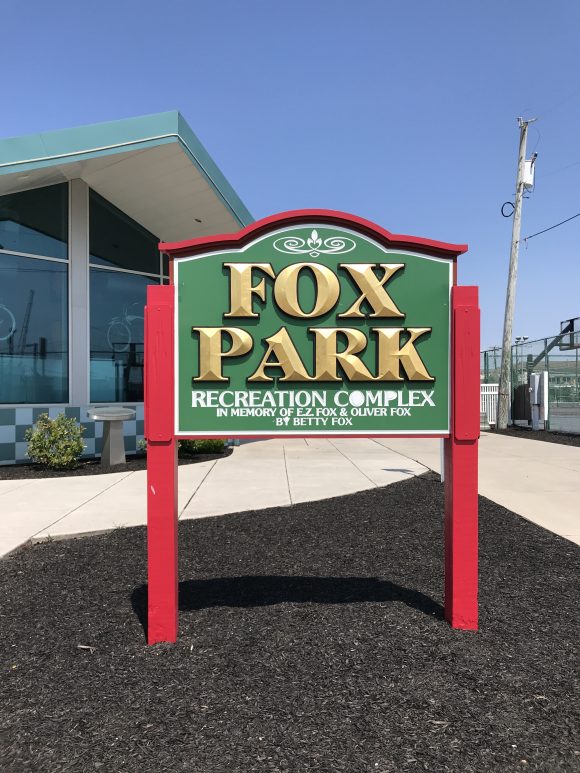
column 15, row 421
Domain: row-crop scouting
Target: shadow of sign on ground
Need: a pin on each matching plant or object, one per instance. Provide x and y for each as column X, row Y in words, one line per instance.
column 265, row 590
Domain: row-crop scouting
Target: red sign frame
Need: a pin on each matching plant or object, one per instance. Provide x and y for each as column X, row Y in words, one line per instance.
column 460, row 445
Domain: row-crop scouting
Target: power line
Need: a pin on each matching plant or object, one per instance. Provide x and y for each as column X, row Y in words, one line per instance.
column 551, row 228
column 538, row 138
column 559, row 103
column 560, row 169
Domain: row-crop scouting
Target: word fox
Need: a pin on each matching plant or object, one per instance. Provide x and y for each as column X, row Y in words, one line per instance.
column 334, row 348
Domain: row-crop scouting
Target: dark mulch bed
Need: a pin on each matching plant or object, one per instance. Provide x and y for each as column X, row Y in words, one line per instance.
column 311, row 639
column 564, row 438
column 94, row 467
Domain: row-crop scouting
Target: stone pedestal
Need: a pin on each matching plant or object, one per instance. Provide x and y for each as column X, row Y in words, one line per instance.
column 113, row 451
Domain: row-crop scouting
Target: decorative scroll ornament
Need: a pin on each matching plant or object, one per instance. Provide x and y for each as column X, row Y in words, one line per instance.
column 314, row 245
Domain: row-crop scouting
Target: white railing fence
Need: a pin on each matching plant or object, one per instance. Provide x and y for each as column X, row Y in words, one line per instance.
column 488, row 401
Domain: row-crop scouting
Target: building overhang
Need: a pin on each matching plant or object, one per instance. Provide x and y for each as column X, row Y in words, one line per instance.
column 152, row 167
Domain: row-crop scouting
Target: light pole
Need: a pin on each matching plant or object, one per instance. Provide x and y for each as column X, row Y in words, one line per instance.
column 521, row 340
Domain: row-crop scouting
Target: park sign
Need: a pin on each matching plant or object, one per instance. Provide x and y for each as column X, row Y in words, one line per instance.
column 312, row 323
column 313, row 328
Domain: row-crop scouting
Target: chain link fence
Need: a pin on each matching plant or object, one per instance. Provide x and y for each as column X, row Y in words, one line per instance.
column 559, row 356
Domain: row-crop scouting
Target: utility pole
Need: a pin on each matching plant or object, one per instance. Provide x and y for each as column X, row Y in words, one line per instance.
column 504, row 376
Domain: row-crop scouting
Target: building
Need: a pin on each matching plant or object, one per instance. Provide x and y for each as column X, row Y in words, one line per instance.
column 81, row 213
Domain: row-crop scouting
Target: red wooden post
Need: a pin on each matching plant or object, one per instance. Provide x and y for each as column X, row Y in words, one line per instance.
column 461, row 539
column 161, row 466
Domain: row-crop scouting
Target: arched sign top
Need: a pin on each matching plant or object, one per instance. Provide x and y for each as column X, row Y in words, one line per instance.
column 312, row 323
column 330, row 217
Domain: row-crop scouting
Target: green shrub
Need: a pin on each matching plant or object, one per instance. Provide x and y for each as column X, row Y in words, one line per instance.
column 186, row 447
column 191, row 447
column 210, row 446
column 56, row 443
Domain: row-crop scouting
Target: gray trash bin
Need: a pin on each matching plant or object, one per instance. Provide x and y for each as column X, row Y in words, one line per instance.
column 113, row 416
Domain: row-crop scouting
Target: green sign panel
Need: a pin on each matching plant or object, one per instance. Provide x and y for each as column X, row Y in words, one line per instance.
column 312, row 329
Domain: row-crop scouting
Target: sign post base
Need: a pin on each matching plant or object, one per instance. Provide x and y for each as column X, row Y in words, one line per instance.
column 162, row 595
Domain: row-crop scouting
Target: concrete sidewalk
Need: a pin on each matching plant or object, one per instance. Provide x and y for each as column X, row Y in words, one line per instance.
column 258, row 474
column 539, row 481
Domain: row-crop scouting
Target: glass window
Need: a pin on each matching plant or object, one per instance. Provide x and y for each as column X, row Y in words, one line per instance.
column 117, row 304
column 33, row 330
column 117, row 241
column 36, row 221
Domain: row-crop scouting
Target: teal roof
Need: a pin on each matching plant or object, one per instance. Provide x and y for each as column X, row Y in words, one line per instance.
column 19, row 155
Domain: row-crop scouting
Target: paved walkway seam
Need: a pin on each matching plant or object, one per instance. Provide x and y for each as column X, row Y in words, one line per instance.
column 287, row 476
column 9, row 489
column 90, row 499
column 197, row 488
column 407, row 456
column 354, row 464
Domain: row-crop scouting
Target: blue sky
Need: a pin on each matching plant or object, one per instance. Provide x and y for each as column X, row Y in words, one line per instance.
column 401, row 112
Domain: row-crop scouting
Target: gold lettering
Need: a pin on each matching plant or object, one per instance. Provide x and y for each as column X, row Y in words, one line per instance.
column 242, row 289
column 391, row 355
column 210, row 350
column 328, row 358
column 286, row 290
column 281, row 347
column 372, row 289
